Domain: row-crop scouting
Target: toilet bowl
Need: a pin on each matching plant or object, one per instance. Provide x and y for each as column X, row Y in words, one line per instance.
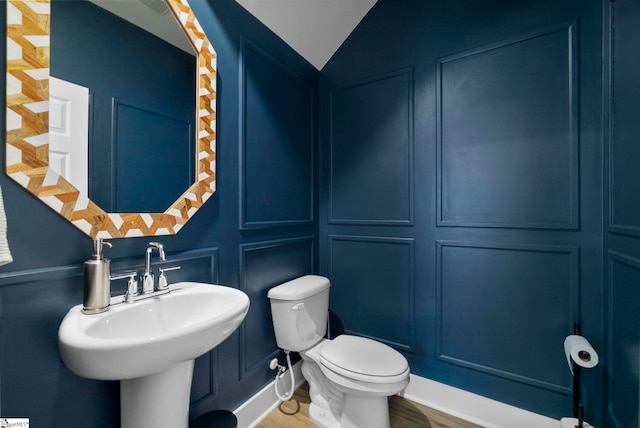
column 364, row 366
column 350, row 377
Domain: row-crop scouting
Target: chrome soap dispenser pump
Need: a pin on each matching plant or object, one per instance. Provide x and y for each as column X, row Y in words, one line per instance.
column 97, row 280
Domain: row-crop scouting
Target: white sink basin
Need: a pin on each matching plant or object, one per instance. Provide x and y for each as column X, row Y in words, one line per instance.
column 144, row 337
column 150, row 346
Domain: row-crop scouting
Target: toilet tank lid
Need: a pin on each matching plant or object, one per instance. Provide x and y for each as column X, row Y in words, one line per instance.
column 299, row 288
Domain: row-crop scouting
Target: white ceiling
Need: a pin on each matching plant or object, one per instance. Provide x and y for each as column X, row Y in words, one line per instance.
column 313, row 28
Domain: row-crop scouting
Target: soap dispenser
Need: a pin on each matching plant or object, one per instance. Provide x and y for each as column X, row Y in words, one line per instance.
column 97, row 281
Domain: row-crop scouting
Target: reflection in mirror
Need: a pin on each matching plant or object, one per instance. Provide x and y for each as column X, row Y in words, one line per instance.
column 140, row 155
column 27, row 150
column 69, row 132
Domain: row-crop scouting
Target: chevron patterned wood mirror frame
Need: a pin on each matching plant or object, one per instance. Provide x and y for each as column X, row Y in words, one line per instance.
column 27, row 137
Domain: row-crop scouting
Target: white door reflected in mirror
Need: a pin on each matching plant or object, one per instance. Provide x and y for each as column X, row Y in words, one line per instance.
column 68, row 139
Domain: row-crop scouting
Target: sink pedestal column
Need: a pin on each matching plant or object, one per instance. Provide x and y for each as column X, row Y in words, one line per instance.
column 157, row 400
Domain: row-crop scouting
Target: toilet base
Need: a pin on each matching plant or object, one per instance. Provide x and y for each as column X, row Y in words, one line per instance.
column 343, row 403
column 370, row 412
column 323, row 418
column 358, row 412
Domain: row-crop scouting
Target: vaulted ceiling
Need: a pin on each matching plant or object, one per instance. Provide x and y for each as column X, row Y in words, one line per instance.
column 313, row 28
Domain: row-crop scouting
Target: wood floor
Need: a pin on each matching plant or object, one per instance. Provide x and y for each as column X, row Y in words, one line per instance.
column 402, row 414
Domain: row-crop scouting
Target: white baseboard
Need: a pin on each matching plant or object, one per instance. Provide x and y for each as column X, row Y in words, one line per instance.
column 472, row 407
column 254, row 410
column 456, row 402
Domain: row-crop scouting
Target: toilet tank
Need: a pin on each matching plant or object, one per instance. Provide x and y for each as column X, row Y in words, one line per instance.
column 299, row 310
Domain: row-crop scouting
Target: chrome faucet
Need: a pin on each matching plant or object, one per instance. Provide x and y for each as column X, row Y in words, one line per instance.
column 148, row 283
column 149, row 287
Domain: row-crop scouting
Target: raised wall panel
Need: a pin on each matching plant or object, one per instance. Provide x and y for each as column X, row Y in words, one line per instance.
column 201, row 266
column 507, row 134
column 623, row 387
column 371, row 144
column 276, row 152
column 373, row 288
column 32, row 310
column 624, row 90
column 264, row 265
column 203, row 386
column 506, row 309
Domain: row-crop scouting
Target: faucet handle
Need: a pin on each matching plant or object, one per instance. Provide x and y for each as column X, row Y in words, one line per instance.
column 163, row 282
column 132, row 285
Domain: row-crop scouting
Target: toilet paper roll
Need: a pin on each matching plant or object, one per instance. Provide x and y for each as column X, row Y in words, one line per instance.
column 579, row 350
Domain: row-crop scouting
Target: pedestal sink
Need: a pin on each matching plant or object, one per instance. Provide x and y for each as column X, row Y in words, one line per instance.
column 150, row 346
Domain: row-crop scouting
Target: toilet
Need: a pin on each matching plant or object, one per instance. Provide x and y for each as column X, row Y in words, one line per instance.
column 350, row 378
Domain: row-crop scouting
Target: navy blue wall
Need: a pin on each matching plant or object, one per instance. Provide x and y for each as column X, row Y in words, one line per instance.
column 461, row 192
column 622, row 213
column 272, row 241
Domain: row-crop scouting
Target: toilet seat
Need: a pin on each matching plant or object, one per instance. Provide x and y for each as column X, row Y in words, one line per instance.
column 363, row 359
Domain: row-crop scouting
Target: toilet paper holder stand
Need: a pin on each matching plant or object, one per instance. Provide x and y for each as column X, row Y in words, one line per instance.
column 578, row 409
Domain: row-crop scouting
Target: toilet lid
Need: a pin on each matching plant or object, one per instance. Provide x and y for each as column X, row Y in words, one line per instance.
column 363, row 356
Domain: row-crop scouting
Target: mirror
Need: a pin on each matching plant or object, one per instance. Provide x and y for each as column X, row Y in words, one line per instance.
column 28, row 143
column 133, row 150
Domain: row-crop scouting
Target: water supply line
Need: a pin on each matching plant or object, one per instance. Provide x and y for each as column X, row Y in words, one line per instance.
column 273, row 364
column 281, row 372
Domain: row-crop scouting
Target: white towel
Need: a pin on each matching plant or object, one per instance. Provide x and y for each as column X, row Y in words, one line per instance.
column 5, row 253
